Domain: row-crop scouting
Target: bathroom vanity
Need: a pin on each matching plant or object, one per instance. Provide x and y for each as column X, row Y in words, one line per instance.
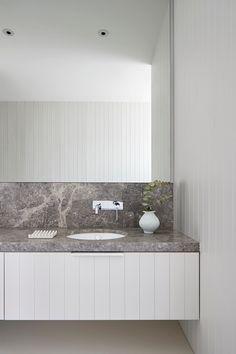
column 136, row 277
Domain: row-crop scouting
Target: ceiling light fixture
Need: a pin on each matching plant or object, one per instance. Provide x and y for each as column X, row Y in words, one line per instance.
column 103, row 33
column 8, row 32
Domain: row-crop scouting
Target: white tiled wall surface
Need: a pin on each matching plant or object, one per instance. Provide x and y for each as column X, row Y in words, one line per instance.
column 75, row 142
column 205, row 161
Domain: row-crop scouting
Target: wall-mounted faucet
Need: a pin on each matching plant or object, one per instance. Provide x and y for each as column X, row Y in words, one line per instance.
column 108, row 205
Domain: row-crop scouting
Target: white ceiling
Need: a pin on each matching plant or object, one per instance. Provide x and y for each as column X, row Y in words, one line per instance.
column 56, row 53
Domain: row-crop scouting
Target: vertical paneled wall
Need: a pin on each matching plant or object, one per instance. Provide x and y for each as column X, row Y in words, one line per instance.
column 161, row 158
column 205, row 160
column 75, row 141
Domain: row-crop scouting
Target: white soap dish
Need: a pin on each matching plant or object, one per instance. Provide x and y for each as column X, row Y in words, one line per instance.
column 43, row 234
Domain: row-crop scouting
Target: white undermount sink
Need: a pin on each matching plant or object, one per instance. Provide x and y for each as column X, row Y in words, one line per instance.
column 96, row 236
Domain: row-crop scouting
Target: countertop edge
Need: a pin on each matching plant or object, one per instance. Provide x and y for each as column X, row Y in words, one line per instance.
column 16, row 240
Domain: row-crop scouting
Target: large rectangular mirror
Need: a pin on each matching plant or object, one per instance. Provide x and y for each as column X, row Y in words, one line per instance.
column 78, row 105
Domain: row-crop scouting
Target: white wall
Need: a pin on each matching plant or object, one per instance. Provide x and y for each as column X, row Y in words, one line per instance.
column 75, row 141
column 86, row 81
column 161, row 103
column 205, row 160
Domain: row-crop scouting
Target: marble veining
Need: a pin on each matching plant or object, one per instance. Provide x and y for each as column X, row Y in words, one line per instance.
column 69, row 205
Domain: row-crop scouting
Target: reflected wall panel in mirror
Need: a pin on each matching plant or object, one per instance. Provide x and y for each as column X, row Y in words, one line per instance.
column 75, row 142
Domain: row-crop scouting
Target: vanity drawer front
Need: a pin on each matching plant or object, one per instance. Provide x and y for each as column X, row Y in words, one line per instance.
column 101, row 286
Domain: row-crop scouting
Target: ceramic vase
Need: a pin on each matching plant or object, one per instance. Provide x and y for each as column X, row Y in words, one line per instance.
column 149, row 222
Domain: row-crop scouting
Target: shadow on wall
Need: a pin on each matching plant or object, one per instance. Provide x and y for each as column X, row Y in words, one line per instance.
column 184, row 216
column 96, row 337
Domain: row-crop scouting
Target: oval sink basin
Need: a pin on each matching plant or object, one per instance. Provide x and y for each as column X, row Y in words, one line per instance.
column 96, row 236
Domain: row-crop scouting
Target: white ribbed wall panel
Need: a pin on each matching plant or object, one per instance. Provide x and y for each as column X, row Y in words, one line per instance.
column 161, row 133
column 75, row 142
column 205, row 161
column 101, row 286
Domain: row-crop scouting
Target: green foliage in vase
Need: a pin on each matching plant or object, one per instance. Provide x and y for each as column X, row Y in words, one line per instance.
column 149, row 195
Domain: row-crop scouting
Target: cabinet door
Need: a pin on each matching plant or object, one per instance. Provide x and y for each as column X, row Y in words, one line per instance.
column 95, row 290
column 139, row 286
column 1, row 286
column 177, row 286
column 101, row 286
column 64, row 286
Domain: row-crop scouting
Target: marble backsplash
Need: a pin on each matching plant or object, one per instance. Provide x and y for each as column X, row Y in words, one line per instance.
column 69, row 205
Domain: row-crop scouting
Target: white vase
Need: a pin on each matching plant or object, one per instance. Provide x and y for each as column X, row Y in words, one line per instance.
column 149, row 222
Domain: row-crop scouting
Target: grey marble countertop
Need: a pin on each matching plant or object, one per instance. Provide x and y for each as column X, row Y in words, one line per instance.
column 16, row 240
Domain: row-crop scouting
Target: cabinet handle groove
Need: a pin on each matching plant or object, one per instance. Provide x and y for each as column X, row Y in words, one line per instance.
column 78, row 254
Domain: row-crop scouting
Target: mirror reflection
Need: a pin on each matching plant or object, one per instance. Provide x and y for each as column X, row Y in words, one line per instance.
column 85, row 96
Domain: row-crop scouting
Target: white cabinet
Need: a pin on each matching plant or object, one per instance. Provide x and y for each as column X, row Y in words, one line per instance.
column 101, row 286
column 1, row 286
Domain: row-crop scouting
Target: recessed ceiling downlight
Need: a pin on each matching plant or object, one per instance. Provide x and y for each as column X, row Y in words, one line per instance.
column 103, row 33
column 8, row 32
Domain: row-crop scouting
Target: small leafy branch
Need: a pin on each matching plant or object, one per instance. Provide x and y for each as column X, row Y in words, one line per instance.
column 148, row 195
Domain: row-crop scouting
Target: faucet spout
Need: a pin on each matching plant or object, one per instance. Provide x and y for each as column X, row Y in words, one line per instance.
column 97, row 208
column 117, row 205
